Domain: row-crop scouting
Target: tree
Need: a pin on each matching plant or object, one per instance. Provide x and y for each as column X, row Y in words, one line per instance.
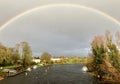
column 113, row 50
column 3, row 55
column 105, row 55
column 45, row 58
column 15, row 56
column 12, row 55
column 118, row 39
column 98, row 50
column 26, row 54
column 63, row 59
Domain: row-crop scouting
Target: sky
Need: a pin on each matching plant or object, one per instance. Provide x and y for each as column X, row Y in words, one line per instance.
column 59, row 30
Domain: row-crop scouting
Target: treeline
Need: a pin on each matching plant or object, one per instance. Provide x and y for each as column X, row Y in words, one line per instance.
column 77, row 60
column 21, row 55
column 104, row 61
column 47, row 58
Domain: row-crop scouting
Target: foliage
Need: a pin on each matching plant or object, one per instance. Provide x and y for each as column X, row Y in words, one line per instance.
column 98, row 50
column 63, row 60
column 45, row 58
column 105, row 55
column 12, row 55
column 113, row 51
column 26, row 54
column 8, row 56
column 76, row 60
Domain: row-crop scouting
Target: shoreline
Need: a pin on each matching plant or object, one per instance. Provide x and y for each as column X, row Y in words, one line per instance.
column 104, row 80
column 1, row 78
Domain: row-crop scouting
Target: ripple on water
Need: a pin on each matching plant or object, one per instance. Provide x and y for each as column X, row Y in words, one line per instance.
column 56, row 74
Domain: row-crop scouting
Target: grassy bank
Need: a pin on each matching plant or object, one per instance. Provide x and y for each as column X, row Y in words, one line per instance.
column 76, row 60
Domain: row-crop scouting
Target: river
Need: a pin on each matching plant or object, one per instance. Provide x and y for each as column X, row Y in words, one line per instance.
column 55, row 74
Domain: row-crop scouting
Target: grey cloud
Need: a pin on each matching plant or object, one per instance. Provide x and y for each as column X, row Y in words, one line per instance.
column 10, row 8
column 59, row 32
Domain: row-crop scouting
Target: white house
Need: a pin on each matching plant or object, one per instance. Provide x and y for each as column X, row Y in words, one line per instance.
column 118, row 48
column 36, row 60
column 55, row 59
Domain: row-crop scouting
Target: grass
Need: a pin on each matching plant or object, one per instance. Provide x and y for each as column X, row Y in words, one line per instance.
column 76, row 60
column 39, row 65
column 11, row 66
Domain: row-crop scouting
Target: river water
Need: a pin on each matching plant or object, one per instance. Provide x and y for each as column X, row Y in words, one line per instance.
column 55, row 74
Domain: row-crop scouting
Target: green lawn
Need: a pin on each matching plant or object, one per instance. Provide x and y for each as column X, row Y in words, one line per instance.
column 11, row 66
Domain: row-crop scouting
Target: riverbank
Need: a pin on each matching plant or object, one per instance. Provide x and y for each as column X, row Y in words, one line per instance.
column 1, row 78
column 8, row 71
column 11, row 71
column 106, row 79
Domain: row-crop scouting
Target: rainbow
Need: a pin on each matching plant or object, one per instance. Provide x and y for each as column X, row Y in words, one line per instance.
column 63, row 5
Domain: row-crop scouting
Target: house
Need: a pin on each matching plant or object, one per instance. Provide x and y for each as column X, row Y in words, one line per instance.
column 36, row 60
column 55, row 59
